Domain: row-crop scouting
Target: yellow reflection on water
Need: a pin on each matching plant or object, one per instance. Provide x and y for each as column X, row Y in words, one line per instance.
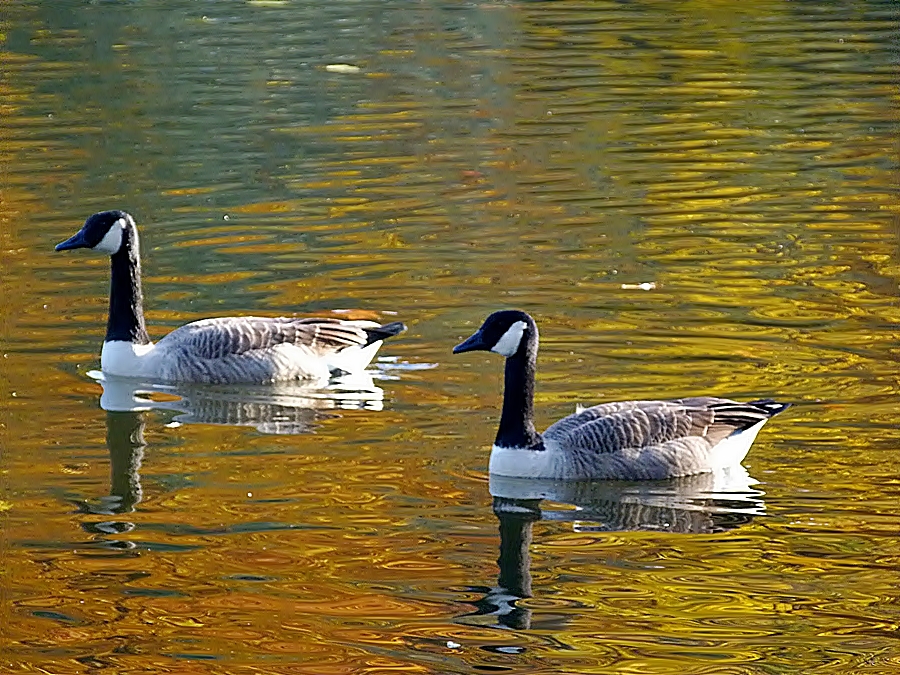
column 736, row 161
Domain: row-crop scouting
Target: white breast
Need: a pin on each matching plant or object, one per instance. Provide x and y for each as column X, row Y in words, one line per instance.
column 126, row 359
column 523, row 463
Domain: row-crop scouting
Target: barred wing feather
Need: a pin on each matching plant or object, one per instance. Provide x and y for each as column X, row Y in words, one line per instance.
column 612, row 427
column 233, row 336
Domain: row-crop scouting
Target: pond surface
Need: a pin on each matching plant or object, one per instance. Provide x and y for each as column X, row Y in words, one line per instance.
column 690, row 197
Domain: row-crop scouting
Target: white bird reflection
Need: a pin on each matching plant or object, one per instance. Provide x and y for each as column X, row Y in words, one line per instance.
column 282, row 408
column 702, row 504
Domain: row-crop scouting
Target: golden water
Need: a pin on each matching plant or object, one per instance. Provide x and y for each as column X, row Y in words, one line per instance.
column 738, row 159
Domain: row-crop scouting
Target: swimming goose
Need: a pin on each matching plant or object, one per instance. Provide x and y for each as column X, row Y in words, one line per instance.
column 628, row 440
column 228, row 350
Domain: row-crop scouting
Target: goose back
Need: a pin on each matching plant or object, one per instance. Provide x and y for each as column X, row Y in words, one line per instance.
column 637, row 440
column 261, row 350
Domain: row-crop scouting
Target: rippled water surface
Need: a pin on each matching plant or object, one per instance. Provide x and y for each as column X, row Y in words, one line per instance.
column 690, row 197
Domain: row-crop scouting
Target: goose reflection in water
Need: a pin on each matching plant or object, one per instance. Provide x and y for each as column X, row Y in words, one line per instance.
column 282, row 408
column 276, row 409
column 125, row 442
column 701, row 504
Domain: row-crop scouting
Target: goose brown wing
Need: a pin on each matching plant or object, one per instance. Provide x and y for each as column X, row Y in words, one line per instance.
column 230, row 336
column 612, row 427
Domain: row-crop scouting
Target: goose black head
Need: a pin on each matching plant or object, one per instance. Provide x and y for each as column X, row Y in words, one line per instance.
column 502, row 332
column 104, row 232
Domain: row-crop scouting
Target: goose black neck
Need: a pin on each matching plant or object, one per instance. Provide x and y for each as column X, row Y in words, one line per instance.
column 126, row 299
column 517, row 421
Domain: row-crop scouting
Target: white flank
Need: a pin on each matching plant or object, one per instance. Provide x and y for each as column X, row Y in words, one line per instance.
column 287, row 361
column 126, row 359
column 508, row 344
column 552, row 462
column 112, row 240
column 731, row 450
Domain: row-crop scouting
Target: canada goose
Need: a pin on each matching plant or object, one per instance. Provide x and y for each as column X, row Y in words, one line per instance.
column 629, row 440
column 228, row 350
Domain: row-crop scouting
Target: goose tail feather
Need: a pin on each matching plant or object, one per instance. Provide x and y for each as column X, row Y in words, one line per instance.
column 355, row 359
column 770, row 406
column 385, row 331
column 741, row 416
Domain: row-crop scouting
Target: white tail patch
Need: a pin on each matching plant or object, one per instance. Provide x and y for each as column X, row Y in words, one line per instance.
column 352, row 359
column 508, row 344
column 731, row 450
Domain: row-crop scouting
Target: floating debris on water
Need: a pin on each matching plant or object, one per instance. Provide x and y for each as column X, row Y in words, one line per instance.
column 342, row 68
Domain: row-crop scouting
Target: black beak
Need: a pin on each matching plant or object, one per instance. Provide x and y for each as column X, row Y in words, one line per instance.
column 473, row 343
column 75, row 241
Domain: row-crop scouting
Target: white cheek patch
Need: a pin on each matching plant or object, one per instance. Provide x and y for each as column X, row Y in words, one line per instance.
column 112, row 240
column 508, row 344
